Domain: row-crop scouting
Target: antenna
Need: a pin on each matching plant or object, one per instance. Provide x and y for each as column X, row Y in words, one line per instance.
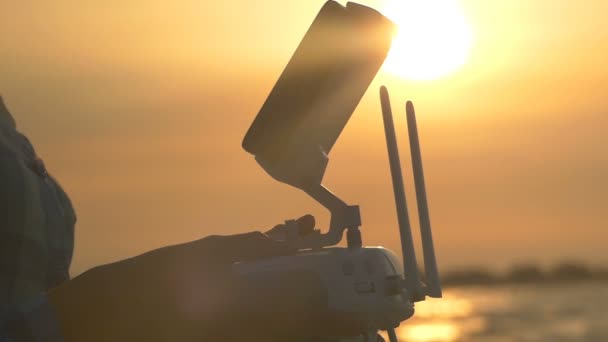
column 410, row 268
column 416, row 289
column 433, row 285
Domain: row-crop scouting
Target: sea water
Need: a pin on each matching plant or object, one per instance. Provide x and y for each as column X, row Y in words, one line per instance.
column 551, row 313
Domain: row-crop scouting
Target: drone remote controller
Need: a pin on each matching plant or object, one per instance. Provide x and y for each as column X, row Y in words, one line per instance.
column 291, row 138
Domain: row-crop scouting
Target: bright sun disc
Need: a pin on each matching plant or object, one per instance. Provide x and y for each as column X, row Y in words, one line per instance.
column 434, row 38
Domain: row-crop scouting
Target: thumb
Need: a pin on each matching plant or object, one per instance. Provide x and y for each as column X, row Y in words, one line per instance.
column 252, row 246
column 305, row 226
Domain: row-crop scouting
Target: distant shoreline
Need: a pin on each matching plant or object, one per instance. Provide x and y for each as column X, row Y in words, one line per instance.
column 524, row 274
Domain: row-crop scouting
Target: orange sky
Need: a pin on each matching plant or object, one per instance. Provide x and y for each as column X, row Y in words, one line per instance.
column 139, row 108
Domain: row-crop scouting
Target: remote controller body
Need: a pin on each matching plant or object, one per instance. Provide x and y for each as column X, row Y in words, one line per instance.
column 366, row 282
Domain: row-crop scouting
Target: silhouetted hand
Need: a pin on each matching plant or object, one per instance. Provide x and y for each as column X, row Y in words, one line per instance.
column 185, row 292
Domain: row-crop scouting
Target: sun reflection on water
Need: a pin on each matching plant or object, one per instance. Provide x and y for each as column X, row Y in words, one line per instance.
column 511, row 313
column 449, row 319
column 438, row 331
column 448, row 307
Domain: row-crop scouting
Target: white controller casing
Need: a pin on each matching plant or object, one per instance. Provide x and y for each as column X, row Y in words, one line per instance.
column 365, row 281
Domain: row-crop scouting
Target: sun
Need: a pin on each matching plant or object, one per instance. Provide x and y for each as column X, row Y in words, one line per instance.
column 434, row 38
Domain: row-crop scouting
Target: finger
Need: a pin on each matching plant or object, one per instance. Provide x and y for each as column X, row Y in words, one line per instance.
column 217, row 250
column 306, row 224
column 278, row 229
column 252, row 246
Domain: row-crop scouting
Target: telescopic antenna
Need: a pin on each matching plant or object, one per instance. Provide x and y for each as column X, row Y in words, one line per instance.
column 433, row 286
column 412, row 279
